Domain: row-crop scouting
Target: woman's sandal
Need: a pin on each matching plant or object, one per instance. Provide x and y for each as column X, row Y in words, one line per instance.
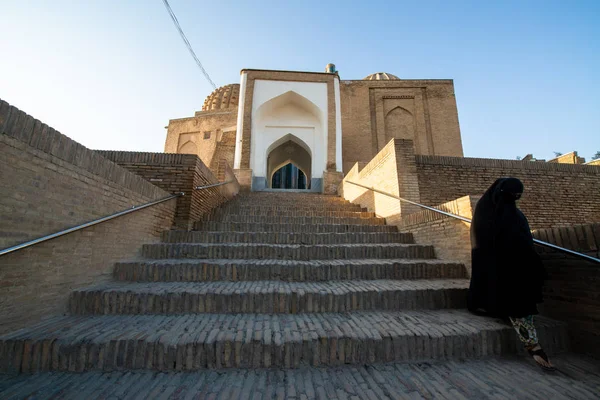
column 540, row 353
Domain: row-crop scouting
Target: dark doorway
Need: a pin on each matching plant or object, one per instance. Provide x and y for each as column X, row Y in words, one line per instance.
column 289, row 177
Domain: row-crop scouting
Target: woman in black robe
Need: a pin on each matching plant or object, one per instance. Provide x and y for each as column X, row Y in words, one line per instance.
column 507, row 273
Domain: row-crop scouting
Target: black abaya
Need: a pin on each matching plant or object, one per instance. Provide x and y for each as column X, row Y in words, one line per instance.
column 507, row 274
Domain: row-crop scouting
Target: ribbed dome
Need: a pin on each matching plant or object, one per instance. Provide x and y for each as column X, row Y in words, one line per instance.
column 223, row 98
column 381, row 76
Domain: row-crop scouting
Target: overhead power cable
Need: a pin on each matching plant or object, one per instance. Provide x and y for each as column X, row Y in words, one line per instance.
column 187, row 42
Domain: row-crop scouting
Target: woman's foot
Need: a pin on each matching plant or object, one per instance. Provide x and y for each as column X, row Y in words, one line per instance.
column 540, row 357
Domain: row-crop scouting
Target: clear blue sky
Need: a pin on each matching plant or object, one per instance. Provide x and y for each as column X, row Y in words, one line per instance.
column 110, row 74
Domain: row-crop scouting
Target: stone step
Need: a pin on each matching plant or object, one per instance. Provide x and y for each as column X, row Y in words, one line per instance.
column 272, row 297
column 286, row 251
column 285, row 237
column 306, row 228
column 270, row 212
column 512, row 377
column 282, row 219
column 198, row 341
column 284, row 270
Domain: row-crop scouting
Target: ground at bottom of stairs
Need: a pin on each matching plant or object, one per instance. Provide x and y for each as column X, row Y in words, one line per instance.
column 493, row 378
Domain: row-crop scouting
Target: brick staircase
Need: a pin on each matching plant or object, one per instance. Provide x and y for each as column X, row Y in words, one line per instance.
column 270, row 280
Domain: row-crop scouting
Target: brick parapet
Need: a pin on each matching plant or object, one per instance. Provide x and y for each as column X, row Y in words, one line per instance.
column 555, row 194
column 43, row 139
column 180, row 173
column 424, row 160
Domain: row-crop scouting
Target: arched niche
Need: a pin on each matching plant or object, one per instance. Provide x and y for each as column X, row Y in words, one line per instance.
column 399, row 124
column 188, row 147
column 278, row 105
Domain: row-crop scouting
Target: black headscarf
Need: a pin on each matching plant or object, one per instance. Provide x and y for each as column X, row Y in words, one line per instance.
column 507, row 274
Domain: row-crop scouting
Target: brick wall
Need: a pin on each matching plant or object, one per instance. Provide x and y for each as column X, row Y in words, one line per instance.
column 48, row 183
column 450, row 236
column 244, row 177
column 331, row 181
column 382, row 174
column 555, row 194
column 366, row 106
column 177, row 173
column 572, row 291
column 202, row 133
column 393, row 170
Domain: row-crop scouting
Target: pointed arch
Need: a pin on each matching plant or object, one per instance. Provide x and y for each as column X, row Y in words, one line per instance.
column 289, row 98
column 288, row 149
column 287, row 138
column 301, row 181
column 283, row 164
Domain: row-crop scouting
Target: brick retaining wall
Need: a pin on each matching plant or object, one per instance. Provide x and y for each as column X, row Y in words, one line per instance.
column 48, row 183
column 572, row 291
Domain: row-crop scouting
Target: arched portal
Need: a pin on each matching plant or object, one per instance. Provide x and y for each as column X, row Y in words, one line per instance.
column 289, row 150
column 288, row 128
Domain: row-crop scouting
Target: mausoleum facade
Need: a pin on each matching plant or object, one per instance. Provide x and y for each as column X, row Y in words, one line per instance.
column 320, row 124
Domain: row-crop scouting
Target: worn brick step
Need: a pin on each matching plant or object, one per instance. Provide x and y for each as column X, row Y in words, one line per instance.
column 284, row 270
column 249, row 208
column 282, row 219
column 285, row 201
column 436, row 379
column 268, row 297
column 198, row 341
column 276, row 196
column 286, row 251
column 306, row 204
column 285, row 237
column 268, row 212
column 305, row 228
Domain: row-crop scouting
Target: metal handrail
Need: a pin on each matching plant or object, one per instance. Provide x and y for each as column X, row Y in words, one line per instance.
column 536, row 241
column 213, row 185
column 87, row 224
